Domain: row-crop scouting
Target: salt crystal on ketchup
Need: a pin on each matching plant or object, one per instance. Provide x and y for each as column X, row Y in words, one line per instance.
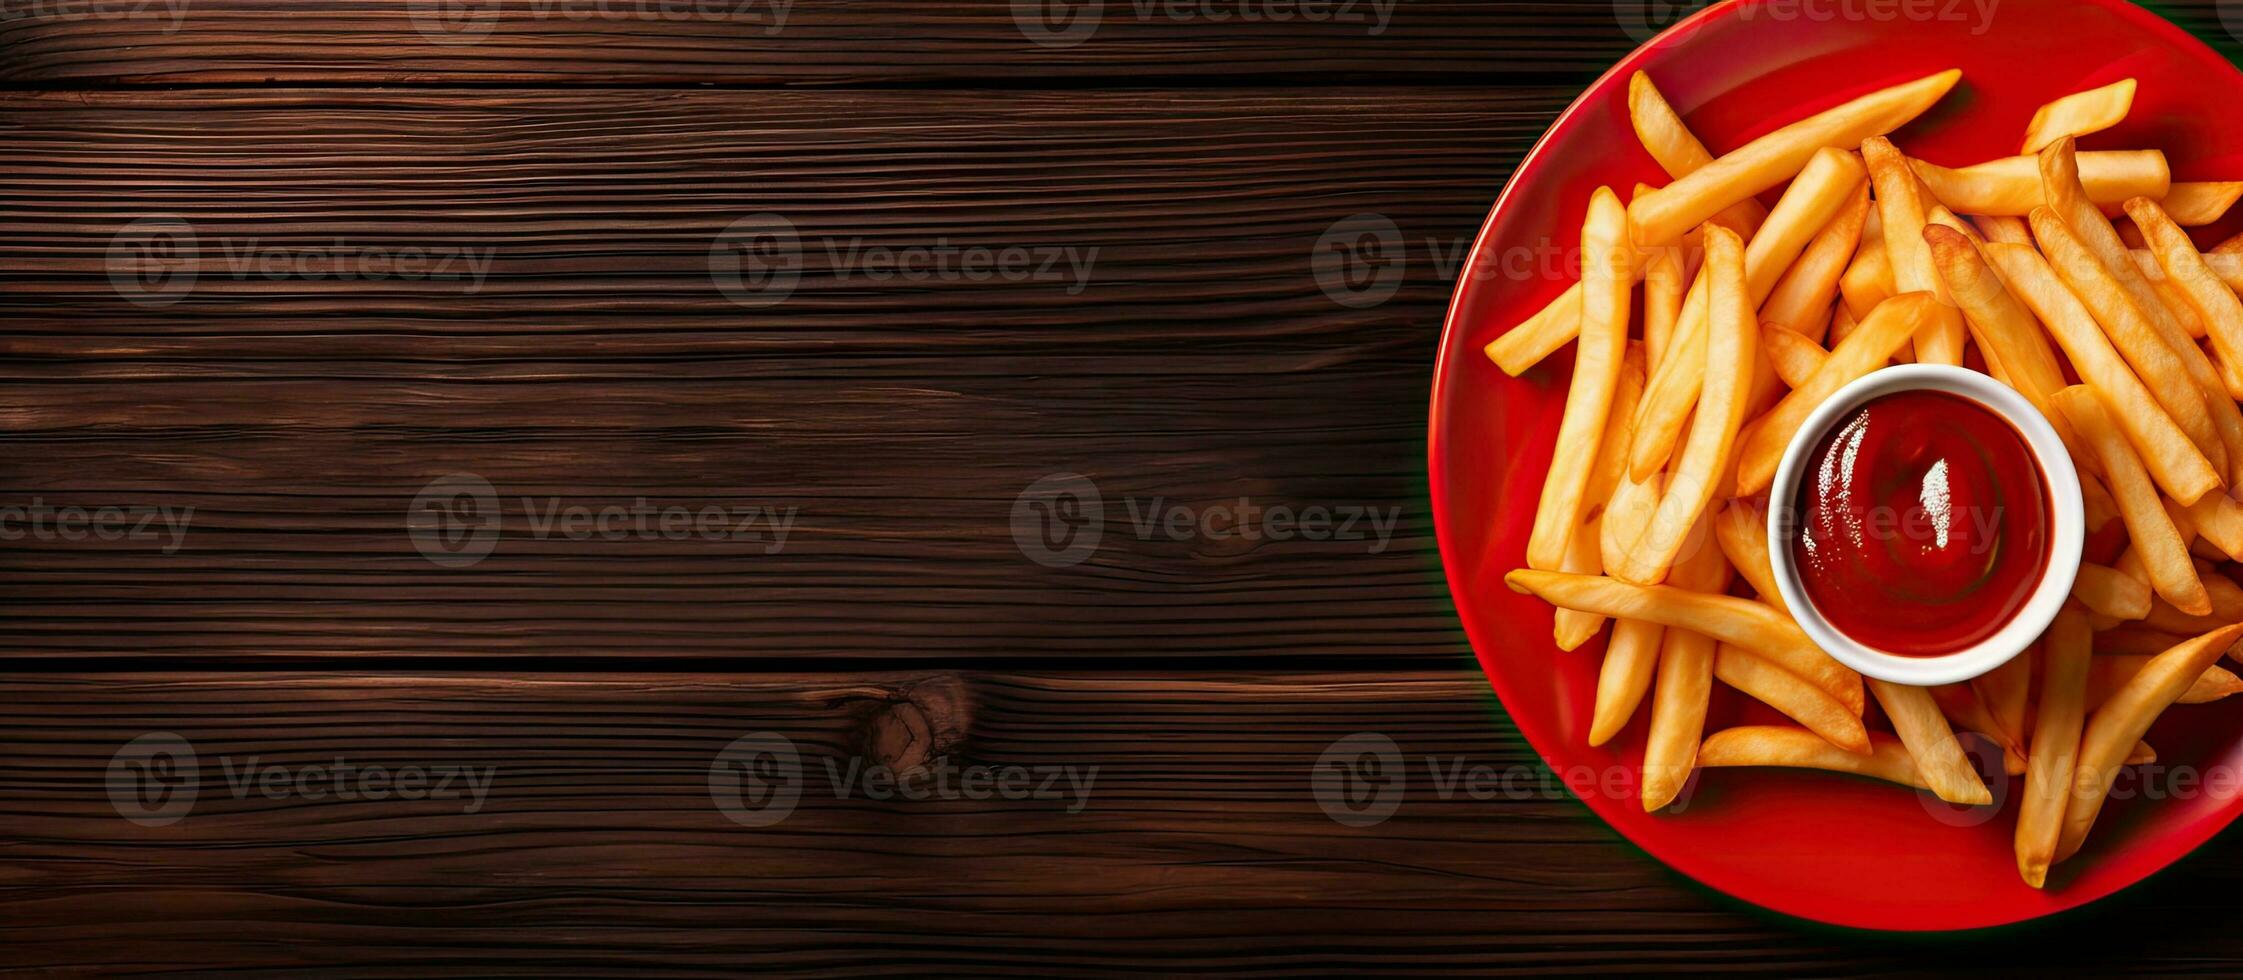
column 1924, row 524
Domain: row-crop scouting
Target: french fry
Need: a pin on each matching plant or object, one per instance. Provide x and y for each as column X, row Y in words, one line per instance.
column 2189, row 274
column 2068, row 202
column 1757, row 628
column 2143, row 345
column 2109, row 672
column 1794, row 357
column 2110, row 592
column 1685, row 681
column 2005, row 690
column 1887, row 327
column 1558, row 322
column 1596, row 373
column 1770, row 160
column 1809, row 203
column 1963, row 706
column 2079, row 114
column 1842, row 324
column 1804, row 293
column 2012, row 185
column 2141, row 755
column 1798, row 748
column 1731, row 342
column 2100, row 507
column 1901, row 205
column 1678, row 152
column 1584, row 555
column 1630, row 659
column 1626, row 515
column 2163, row 552
column 1571, row 628
column 2115, row 727
column 2004, row 329
column 1662, row 307
column 2168, row 292
column 2168, row 452
column 2195, row 204
column 1787, row 692
column 2004, row 228
column 1868, row 281
column 2057, row 720
column 1939, row 756
column 1742, row 531
column 2219, row 519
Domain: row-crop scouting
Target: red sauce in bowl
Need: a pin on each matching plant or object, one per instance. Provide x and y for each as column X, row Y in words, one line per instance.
column 1923, row 524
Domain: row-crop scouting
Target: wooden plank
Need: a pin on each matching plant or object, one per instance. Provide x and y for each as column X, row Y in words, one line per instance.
column 1200, row 846
column 1202, row 367
column 817, row 42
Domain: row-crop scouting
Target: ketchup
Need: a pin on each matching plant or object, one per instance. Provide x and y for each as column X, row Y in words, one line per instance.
column 1923, row 524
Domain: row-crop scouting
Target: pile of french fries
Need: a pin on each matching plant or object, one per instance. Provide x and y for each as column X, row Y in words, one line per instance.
column 1707, row 326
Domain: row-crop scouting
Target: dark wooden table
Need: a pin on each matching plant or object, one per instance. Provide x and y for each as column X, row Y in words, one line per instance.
column 559, row 199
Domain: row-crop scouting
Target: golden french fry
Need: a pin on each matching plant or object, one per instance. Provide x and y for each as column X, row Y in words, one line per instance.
column 2110, row 592
column 1967, row 710
column 2219, row 519
column 2005, row 691
column 1630, row 659
column 2004, row 228
column 2109, row 672
column 1842, row 324
column 1802, row 297
column 1787, row 692
column 1678, row 704
column 2188, row 273
column 2199, row 203
column 1571, row 628
column 1757, row 628
column 1678, row 151
column 2005, row 330
column 1628, row 513
column 2012, row 185
column 2068, row 203
column 1584, row 554
column 2079, row 114
column 2057, row 720
column 1901, row 205
column 1596, row 373
column 2171, row 456
column 1730, row 347
column 1742, row 531
column 1558, row 322
column 2168, row 292
column 1868, row 281
column 1866, row 349
column 2100, row 508
column 1939, row 757
column 1770, row 160
column 1798, row 748
column 1794, row 357
column 1809, row 203
column 1662, row 307
column 2141, row 755
column 2116, row 726
column 2211, row 427
column 2163, row 552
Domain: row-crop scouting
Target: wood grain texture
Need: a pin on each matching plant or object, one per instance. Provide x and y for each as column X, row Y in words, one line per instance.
column 811, row 42
column 1202, row 847
column 1201, row 365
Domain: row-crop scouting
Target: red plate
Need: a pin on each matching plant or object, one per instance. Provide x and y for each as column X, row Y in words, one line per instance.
column 1831, row 848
